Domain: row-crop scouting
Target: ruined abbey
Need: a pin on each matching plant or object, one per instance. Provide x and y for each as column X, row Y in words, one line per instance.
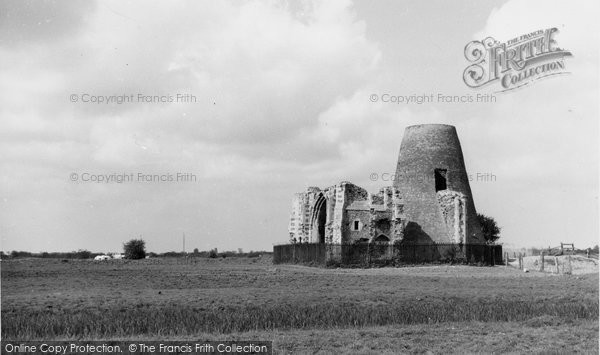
column 430, row 200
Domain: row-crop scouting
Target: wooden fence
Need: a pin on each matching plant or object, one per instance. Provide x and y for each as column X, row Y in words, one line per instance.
column 386, row 254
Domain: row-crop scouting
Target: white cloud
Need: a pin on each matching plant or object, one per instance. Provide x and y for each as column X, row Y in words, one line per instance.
column 262, row 73
column 544, row 147
column 283, row 103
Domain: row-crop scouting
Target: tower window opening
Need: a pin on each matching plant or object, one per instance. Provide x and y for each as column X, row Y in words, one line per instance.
column 440, row 179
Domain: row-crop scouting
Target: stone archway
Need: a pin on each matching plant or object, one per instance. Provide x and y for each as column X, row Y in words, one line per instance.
column 380, row 239
column 319, row 219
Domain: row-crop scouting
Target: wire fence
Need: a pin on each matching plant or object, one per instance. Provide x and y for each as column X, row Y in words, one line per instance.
column 386, row 254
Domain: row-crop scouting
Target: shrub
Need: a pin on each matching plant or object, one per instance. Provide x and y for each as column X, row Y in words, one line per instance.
column 20, row 254
column 489, row 228
column 82, row 254
column 135, row 249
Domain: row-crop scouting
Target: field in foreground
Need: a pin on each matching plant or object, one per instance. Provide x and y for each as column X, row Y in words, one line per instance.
column 411, row 309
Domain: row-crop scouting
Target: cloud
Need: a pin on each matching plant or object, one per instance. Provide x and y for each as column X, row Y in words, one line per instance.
column 544, row 142
column 282, row 93
column 262, row 73
column 554, row 107
column 24, row 22
column 577, row 25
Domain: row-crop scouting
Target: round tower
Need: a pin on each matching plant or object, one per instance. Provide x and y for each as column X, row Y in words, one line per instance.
column 434, row 186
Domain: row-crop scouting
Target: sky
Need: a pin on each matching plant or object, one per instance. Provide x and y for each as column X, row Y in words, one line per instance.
column 213, row 114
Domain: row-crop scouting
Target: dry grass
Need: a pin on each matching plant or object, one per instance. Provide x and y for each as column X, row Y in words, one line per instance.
column 167, row 298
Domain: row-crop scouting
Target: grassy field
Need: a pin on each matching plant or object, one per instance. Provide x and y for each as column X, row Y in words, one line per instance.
column 415, row 309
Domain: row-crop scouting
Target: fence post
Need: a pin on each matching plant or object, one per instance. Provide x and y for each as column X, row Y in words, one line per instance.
column 542, row 261
column 556, row 262
column 520, row 261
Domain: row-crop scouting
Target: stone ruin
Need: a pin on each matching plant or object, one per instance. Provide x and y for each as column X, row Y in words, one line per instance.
column 430, row 201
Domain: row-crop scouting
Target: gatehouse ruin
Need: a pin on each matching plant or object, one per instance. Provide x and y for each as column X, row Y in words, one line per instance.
column 429, row 203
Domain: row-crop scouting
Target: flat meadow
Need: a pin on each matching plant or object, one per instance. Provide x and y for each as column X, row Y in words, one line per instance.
column 438, row 308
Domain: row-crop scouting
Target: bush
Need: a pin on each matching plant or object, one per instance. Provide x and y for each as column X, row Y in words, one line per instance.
column 213, row 253
column 20, row 254
column 82, row 254
column 135, row 249
column 489, row 227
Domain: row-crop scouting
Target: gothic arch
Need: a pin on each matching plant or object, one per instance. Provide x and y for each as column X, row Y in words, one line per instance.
column 380, row 239
column 319, row 219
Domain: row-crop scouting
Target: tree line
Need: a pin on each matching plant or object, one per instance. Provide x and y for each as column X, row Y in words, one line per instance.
column 133, row 249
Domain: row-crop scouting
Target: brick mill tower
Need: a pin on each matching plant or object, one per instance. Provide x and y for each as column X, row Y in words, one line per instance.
column 434, row 185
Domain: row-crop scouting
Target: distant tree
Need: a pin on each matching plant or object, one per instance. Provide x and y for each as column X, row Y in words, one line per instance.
column 20, row 254
column 489, row 227
column 595, row 249
column 213, row 253
column 82, row 254
column 196, row 251
column 135, row 249
column 172, row 254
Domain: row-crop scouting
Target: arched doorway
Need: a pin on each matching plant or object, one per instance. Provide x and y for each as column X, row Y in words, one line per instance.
column 319, row 220
column 381, row 239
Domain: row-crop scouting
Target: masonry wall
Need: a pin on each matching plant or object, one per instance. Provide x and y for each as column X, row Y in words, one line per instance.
column 365, row 232
column 424, row 149
column 352, row 193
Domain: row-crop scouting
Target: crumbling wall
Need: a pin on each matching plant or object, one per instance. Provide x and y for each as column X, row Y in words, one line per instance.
column 299, row 219
column 430, row 203
column 364, row 232
column 453, row 205
column 345, row 203
column 380, row 213
column 341, row 200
